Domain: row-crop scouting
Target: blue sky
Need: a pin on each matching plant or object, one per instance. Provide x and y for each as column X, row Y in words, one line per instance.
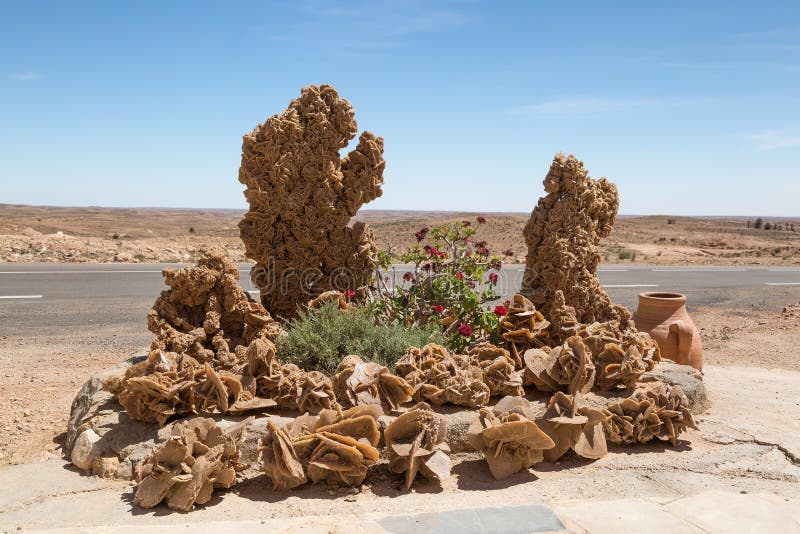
column 690, row 107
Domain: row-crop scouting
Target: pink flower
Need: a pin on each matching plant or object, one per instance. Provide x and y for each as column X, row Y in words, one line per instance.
column 465, row 330
column 438, row 308
column 460, row 275
column 493, row 278
column 500, row 311
column 480, row 219
column 350, row 293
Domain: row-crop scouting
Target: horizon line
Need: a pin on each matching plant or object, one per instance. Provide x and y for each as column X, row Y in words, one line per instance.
column 454, row 212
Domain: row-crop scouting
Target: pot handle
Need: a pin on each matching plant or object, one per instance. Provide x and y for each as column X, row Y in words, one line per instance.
column 684, row 331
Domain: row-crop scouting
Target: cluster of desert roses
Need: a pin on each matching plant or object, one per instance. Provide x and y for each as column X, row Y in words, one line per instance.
column 214, row 350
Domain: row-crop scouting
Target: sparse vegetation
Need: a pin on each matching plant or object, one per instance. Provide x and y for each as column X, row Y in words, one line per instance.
column 670, row 221
column 115, row 237
column 139, row 257
column 627, row 254
column 191, row 229
column 758, row 223
column 319, row 338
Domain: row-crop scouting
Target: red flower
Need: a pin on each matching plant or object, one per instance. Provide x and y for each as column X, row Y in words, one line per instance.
column 420, row 235
column 427, row 248
column 480, row 219
column 441, row 255
column 493, row 278
column 497, row 265
column 466, row 223
column 500, row 311
column 471, row 284
column 433, row 251
column 460, row 275
column 465, row 330
column 350, row 293
column 438, row 308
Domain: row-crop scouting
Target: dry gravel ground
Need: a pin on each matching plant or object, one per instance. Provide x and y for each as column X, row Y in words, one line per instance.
column 31, row 233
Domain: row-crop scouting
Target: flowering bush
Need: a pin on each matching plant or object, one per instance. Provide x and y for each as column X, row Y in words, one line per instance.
column 450, row 281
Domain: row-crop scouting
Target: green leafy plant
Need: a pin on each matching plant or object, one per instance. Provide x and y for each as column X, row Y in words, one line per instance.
column 318, row 339
column 450, row 283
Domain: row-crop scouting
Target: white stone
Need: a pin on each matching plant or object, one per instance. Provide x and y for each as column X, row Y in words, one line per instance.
column 84, row 451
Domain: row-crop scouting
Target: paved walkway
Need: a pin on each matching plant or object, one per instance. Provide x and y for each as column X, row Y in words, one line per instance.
column 710, row 512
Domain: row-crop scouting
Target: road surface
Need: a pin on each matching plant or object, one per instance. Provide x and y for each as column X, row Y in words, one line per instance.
column 39, row 297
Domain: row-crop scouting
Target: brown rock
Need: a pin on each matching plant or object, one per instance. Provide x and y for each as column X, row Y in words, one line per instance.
column 183, row 471
column 302, row 196
column 416, row 443
column 563, row 234
column 508, row 437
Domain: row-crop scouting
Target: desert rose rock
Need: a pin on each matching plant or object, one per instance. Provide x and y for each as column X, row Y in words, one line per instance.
column 302, row 196
column 563, row 236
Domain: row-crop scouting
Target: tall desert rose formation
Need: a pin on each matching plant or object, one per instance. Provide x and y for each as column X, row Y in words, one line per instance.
column 563, row 236
column 302, row 196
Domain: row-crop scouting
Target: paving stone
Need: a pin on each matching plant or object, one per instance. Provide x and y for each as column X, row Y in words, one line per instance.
column 504, row 520
column 724, row 512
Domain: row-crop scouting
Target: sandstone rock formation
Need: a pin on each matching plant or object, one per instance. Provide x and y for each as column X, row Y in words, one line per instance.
column 368, row 383
column 655, row 410
column 335, row 446
column 302, row 196
column 206, row 315
column 568, row 366
column 523, row 328
column 214, row 352
column 416, row 444
column 562, row 236
column 184, row 471
column 572, row 424
column 439, row 377
column 508, row 437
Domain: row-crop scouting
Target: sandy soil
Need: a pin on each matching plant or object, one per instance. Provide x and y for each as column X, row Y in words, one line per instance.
column 41, row 374
column 30, row 233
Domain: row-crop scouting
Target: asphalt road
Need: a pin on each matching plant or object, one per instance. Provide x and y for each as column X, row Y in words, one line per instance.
column 40, row 297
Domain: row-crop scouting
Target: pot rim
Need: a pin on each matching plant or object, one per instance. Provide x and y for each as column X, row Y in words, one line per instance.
column 662, row 296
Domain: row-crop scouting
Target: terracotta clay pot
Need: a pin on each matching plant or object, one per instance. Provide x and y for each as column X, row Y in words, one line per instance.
column 664, row 317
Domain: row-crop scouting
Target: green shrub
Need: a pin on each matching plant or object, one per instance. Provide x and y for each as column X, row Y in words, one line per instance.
column 627, row 254
column 318, row 339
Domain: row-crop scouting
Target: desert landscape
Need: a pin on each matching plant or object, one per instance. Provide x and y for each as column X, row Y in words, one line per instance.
column 160, row 235
column 427, row 267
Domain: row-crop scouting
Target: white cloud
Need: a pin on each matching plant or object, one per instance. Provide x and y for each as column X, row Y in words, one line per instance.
column 585, row 105
column 25, row 76
column 774, row 139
